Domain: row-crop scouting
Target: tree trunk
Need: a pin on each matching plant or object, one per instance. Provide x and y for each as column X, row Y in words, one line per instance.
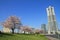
column 24, row 32
column 12, row 30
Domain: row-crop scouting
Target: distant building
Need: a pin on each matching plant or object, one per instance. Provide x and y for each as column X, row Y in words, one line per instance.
column 52, row 25
column 6, row 30
column 43, row 28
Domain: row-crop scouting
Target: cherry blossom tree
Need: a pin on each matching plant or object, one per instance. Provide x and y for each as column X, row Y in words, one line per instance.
column 12, row 22
column 26, row 29
column 37, row 31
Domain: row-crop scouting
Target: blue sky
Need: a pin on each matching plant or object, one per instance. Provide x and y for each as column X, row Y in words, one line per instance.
column 31, row 12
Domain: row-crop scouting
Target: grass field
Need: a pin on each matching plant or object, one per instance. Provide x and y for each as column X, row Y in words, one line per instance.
column 22, row 37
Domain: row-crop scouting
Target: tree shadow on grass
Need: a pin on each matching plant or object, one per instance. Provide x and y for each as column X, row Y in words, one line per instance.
column 6, row 34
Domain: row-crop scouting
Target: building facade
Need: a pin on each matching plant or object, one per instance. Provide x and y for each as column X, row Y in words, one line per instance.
column 52, row 25
column 6, row 30
column 43, row 28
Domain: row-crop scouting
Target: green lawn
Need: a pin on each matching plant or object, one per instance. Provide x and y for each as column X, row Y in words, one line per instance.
column 22, row 37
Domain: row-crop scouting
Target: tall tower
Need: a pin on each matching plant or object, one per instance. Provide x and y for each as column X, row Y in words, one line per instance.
column 52, row 25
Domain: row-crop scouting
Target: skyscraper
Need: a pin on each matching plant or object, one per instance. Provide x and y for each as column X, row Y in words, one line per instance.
column 52, row 25
column 43, row 28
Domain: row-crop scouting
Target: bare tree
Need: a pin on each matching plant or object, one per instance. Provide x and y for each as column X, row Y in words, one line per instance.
column 12, row 22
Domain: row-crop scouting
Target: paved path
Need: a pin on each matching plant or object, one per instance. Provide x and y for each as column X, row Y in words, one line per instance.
column 51, row 38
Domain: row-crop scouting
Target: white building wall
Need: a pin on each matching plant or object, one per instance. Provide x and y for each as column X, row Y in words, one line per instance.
column 6, row 30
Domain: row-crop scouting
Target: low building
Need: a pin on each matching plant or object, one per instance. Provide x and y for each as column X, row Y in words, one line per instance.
column 6, row 30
